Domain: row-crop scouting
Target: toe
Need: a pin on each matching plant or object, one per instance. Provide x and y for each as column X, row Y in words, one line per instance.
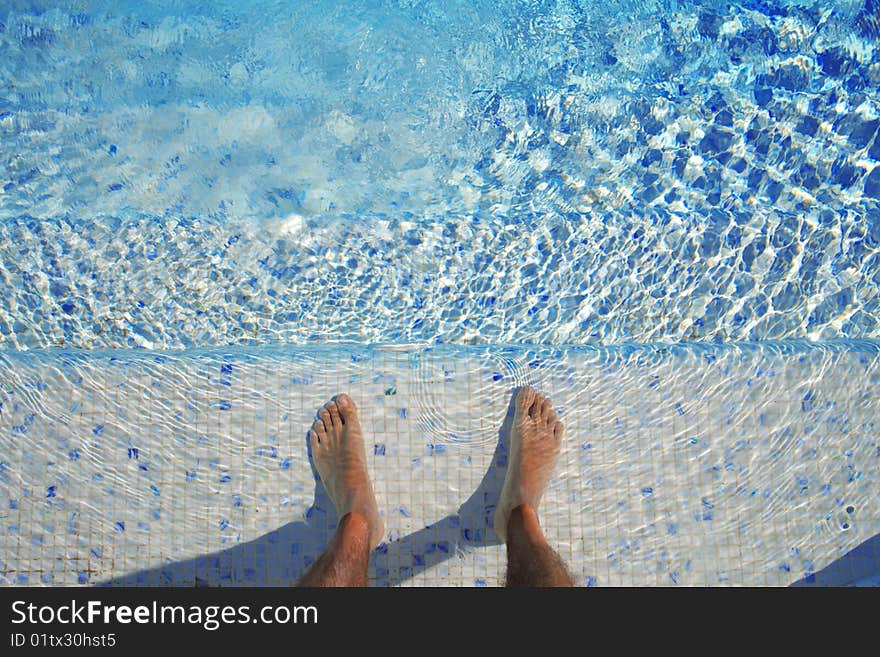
column 546, row 409
column 535, row 409
column 347, row 409
column 557, row 431
column 324, row 414
column 550, row 415
column 313, row 439
column 319, row 431
column 525, row 398
column 333, row 409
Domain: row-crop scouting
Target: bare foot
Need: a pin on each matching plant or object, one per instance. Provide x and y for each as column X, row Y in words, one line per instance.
column 535, row 439
column 341, row 460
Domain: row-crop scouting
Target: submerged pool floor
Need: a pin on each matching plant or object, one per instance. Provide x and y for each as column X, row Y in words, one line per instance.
column 688, row 465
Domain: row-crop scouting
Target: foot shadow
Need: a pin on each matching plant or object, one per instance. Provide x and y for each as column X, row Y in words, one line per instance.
column 858, row 567
column 280, row 557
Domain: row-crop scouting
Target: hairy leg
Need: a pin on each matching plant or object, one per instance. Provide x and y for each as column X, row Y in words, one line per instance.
column 530, row 559
column 346, row 559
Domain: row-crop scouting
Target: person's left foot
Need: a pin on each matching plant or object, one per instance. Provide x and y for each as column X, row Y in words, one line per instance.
column 340, row 457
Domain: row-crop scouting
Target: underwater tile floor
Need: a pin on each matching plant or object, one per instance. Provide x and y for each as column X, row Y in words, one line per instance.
column 687, row 465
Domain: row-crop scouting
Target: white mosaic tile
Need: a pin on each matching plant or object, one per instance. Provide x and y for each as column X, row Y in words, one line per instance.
column 681, row 466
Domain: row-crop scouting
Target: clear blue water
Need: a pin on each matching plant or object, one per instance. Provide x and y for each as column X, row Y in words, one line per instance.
column 176, row 175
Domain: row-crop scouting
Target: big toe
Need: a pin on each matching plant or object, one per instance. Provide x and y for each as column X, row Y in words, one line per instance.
column 525, row 399
column 347, row 409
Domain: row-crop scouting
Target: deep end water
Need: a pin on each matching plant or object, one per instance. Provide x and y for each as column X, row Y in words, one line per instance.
column 419, row 172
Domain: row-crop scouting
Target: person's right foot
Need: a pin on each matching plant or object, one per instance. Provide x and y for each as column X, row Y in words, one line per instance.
column 535, row 440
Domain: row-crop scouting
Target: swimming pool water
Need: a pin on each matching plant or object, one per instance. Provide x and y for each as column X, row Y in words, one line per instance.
column 548, row 172
column 663, row 214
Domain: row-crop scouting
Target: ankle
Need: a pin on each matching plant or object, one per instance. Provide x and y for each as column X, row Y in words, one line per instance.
column 352, row 532
column 523, row 523
column 353, row 524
